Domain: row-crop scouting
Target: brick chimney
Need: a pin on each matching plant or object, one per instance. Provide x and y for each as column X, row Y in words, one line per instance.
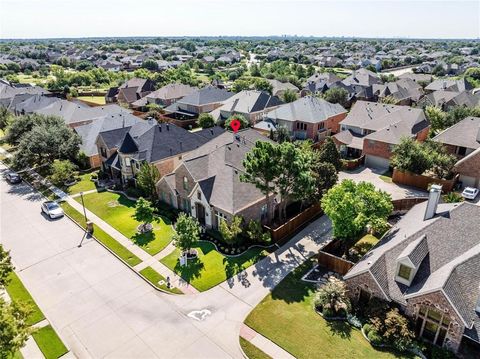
column 433, row 199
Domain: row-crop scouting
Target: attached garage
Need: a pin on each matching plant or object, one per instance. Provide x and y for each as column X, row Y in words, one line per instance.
column 377, row 162
column 469, row 169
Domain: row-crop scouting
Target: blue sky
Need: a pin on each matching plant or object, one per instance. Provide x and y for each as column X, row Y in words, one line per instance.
column 87, row 18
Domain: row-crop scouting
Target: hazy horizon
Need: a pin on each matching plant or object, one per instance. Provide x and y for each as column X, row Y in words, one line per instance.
column 56, row 19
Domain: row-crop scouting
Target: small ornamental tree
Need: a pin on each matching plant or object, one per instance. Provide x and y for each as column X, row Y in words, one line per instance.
column 243, row 122
column 352, row 207
column 144, row 213
column 231, row 231
column 187, row 232
column 15, row 329
column 256, row 234
column 332, row 298
column 6, row 266
column 147, row 179
column 63, row 171
column 329, row 153
column 205, row 120
column 394, row 329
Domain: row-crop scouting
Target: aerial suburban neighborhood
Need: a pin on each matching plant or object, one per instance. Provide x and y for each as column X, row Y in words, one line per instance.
column 238, row 179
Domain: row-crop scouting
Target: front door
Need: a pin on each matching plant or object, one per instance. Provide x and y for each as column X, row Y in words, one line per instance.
column 200, row 211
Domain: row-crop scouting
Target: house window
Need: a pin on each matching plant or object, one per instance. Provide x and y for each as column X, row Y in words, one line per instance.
column 186, row 205
column 404, row 272
column 432, row 325
column 220, row 217
column 461, row 151
column 263, row 212
column 199, row 195
column 185, row 183
column 321, row 125
column 127, row 161
column 103, row 151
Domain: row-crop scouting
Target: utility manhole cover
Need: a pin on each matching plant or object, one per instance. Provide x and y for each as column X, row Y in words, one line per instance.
column 199, row 315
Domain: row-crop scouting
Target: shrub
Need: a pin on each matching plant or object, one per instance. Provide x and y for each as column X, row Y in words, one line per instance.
column 354, row 321
column 134, row 192
column 328, row 312
column 205, row 120
column 333, row 296
column 374, row 337
column 63, row 171
column 452, row 197
column 394, row 327
column 367, row 328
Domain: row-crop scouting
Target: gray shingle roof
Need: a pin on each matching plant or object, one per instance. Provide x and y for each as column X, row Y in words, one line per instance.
column 464, row 134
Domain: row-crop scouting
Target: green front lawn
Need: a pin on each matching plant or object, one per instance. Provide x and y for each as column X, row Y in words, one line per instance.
column 49, row 343
column 117, row 210
column 154, row 277
column 99, row 100
column 18, row 293
column 289, row 309
column 212, row 267
column 387, row 176
column 103, row 237
column 83, row 184
column 252, row 351
column 365, row 244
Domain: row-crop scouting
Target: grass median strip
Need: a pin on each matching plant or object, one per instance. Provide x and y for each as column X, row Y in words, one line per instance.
column 18, row 293
column 251, row 351
column 154, row 277
column 103, row 237
column 49, row 343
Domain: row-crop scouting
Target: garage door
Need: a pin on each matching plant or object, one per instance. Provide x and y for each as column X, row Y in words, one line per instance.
column 376, row 162
column 468, row 181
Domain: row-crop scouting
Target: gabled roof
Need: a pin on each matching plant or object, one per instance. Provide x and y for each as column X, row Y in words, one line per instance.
column 465, row 133
column 309, row 109
column 171, row 91
column 449, row 85
column 206, row 95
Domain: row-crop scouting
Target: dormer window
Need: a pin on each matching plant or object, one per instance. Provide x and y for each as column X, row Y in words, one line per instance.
column 404, row 272
column 185, row 183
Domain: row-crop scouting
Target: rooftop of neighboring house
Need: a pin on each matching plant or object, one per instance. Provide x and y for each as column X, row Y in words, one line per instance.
column 445, row 250
column 401, row 89
column 449, row 85
column 172, row 91
column 90, row 131
column 216, row 167
column 247, row 101
column 206, row 95
column 452, row 98
column 278, row 86
column 426, row 78
column 8, row 90
column 162, row 141
column 465, row 133
column 34, row 103
column 73, row 112
column 324, row 77
column 362, row 77
column 139, row 84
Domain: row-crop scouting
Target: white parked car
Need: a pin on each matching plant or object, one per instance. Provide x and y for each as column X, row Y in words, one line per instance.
column 52, row 209
column 470, row 193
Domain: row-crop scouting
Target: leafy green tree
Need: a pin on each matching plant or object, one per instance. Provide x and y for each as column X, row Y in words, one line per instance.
column 144, row 213
column 231, row 231
column 254, row 70
column 15, row 328
column 263, row 85
column 289, row 96
column 84, row 65
column 187, row 232
column 205, row 120
column 240, row 85
column 282, row 134
column 150, row 64
column 5, row 118
column 62, row 171
column 21, row 125
column 243, row 121
column 336, row 95
column 6, row 266
column 352, row 207
column 390, row 100
column 147, row 179
column 261, row 170
column 436, row 117
column 329, row 153
column 394, row 329
column 47, row 141
column 458, row 113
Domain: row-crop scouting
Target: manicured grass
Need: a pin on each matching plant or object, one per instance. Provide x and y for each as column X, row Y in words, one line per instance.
column 117, row 210
column 286, row 317
column 49, row 342
column 18, row 293
column 387, row 176
column 365, row 244
column 211, row 267
column 99, row 100
column 252, row 351
column 103, row 237
column 154, row 277
column 84, row 184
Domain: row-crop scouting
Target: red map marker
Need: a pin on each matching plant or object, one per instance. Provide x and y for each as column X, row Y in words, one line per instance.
column 235, row 125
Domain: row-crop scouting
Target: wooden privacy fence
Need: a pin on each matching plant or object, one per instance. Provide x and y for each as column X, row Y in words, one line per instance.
column 422, row 182
column 291, row 226
column 334, row 263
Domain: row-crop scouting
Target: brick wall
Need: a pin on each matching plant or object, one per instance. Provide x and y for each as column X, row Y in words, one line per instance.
column 366, row 282
column 95, row 161
column 376, row 148
column 333, row 123
column 423, row 134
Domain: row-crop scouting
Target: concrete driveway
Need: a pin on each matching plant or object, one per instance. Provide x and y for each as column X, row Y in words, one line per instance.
column 101, row 308
column 373, row 176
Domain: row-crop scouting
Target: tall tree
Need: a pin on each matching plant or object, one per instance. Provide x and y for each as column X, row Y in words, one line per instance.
column 329, row 153
column 351, row 207
column 336, row 95
column 6, row 266
column 144, row 213
column 147, row 179
column 289, row 96
column 5, row 117
column 261, row 169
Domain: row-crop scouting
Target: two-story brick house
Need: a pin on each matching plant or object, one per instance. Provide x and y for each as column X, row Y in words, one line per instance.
column 373, row 129
column 428, row 265
column 207, row 184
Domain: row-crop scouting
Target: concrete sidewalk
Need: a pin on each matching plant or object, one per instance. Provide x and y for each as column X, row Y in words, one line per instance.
column 147, row 259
